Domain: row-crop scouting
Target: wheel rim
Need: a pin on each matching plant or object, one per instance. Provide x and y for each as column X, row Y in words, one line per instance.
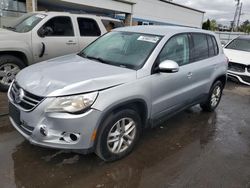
column 121, row 135
column 8, row 72
column 216, row 96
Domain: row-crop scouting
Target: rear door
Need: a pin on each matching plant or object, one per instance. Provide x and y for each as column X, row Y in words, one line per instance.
column 89, row 31
column 60, row 40
column 202, row 64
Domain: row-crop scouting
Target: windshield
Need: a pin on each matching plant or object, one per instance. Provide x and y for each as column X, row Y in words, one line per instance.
column 240, row 44
column 26, row 23
column 124, row 49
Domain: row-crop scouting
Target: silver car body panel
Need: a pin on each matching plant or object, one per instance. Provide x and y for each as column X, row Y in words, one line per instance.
column 69, row 75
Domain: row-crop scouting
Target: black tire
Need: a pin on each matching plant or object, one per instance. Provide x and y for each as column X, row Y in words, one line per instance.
column 102, row 148
column 13, row 61
column 207, row 106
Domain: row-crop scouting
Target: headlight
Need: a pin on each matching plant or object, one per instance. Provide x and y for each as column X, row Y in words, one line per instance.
column 72, row 104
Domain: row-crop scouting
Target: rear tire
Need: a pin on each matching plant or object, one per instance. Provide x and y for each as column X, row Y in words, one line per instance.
column 9, row 67
column 214, row 97
column 116, row 141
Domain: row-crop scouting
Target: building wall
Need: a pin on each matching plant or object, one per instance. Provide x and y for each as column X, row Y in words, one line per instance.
column 164, row 12
column 118, row 6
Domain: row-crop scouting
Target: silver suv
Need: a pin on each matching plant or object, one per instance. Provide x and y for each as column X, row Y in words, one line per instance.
column 127, row 80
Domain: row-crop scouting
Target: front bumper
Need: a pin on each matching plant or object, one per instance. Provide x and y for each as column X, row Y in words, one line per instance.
column 243, row 77
column 56, row 130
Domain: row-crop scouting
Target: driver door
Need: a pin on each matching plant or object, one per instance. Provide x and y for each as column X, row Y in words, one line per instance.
column 58, row 40
column 171, row 91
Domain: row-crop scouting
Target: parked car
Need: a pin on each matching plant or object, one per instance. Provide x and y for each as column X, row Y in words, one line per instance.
column 238, row 52
column 129, row 79
column 40, row 36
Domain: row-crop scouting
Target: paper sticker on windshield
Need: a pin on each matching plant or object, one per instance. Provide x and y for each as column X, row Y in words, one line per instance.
column 40, row 16
column 149, row 39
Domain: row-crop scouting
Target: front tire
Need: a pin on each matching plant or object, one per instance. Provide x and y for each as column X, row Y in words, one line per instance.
column 214, row 97
column 119, row 135
column 9, row 67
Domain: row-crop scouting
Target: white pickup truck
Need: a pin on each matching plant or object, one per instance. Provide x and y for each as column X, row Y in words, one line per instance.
column 39, row 36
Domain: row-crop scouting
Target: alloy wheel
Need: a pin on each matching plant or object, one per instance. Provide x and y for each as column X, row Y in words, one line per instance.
column 8, row 73
column 215, row 98
column 121, row 135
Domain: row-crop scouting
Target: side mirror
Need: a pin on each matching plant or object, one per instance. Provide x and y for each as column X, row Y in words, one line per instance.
column 168, row 66
column 46, row 31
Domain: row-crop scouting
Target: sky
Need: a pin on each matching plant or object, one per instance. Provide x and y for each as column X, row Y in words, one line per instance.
column 220, row 10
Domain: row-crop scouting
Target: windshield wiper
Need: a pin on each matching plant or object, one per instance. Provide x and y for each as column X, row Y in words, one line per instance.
column 97, row 59
column 9, row 28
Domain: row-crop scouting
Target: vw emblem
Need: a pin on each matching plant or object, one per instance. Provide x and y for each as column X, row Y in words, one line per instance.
column 19, row 96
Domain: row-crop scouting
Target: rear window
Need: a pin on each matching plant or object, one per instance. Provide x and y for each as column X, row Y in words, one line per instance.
column 111, row 24
column 88, row 27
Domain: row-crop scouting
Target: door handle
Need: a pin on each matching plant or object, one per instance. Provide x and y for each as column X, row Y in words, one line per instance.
column 189, row 75
column 71, row 42
column 42, row 51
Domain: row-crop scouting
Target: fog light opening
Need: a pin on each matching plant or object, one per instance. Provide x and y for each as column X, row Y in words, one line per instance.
column 70, row 137
column 73, row 137
column 43, row 130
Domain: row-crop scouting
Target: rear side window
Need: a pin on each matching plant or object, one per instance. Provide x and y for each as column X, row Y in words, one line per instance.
column 200, row 47
column 215, row 46
column 212, row 46
column 111, row 24
column 88, row 27
column 60, row 26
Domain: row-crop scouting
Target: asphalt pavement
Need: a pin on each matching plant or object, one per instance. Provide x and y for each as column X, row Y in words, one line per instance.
column 193, row 149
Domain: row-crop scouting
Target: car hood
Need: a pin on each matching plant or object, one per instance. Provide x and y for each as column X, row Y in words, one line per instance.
column 70, row 75
column 8, row 33
column 238, row 56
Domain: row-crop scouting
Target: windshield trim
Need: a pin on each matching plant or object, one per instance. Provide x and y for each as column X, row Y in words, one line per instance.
column 81, row 53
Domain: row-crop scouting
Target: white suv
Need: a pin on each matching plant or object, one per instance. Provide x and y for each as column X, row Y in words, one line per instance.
column 39, row 36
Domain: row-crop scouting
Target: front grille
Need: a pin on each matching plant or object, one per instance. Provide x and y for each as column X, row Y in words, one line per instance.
column 245, row 78
column 236, row 67
column 24, row 99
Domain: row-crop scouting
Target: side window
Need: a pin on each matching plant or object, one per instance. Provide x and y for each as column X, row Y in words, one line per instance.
column 59, row 26
column 88, row 27
column 200, row 47
column 110, row 24
column 215, row 45
column 176, row 49
column 211, row 46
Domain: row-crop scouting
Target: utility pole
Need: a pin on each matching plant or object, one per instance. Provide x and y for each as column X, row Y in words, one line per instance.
column 236, row 14
column 240, row 13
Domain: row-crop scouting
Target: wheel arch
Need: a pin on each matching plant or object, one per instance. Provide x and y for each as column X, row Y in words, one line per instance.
column 18, row 54
column 138, row 105
column 222, row 78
